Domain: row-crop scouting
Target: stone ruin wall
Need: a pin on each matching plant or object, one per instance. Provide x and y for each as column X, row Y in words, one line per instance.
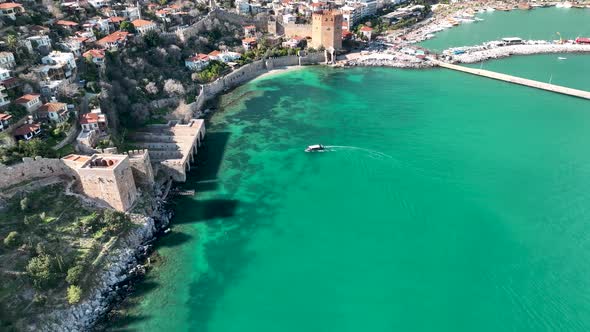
column 32, row 169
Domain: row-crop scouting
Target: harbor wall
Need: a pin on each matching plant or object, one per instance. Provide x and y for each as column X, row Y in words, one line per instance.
column 505, row 51
column 518, row 80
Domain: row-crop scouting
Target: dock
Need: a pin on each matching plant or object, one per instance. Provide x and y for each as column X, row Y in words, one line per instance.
column 516, row 80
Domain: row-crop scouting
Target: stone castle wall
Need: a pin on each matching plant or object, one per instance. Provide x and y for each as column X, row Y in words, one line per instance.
column 203, row 24
column 301, row 30
column 248, row 72
column 141, row 166
column 31, row 169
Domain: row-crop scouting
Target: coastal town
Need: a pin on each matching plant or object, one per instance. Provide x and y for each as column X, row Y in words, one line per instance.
column 103, row 109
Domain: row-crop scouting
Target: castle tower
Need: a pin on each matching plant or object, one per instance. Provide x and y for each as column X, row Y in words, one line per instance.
column 327, row 30
column 106, row 177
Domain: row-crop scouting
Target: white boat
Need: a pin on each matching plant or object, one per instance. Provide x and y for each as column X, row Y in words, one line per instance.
column 561, row 58
column 477, row 19
column 315, row 148
column 490, row 9
column 563, row 5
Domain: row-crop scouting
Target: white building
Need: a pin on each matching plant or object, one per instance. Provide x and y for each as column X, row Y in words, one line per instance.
column 4, row 74
column 39, row 41
column 99, row 3
column 144, row 26
column 60, row 58
column 11, row 9
column 7, row 60
column 3, row 96
column 197, row 62
column 31, row 102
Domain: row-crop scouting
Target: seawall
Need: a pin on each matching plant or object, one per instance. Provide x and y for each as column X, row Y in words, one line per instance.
column 249, row 72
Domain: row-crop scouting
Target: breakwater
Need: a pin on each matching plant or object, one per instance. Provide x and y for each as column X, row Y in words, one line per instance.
column 517, row 80
column 481, row 54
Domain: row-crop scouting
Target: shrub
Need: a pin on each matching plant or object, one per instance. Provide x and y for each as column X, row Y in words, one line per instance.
column 41, row 270
column 39, row 299
column 115, row 221
column 12, row 239
column 74, row 294
column 74, row 274
column 25, row 204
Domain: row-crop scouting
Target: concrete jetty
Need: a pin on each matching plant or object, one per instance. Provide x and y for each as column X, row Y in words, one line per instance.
column 516, row 80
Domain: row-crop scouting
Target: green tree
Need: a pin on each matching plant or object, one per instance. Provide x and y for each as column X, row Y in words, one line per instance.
column 152, row 38
column 12, row 42
column 35, row 147
column 74, row 274
column 12, row 239
column 74, row 294
column 115, row 221
column 42, row 271
column 127, row 26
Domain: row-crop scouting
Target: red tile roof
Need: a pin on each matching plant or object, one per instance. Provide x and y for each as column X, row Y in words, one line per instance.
column 94, row 53
column 249, row 40
column 214, row 53
column 116, row 36
column 5, row 117
column 27, row 98
column 200, row 57
column 366, row 29
column 89, row 118
column 27, row 129
column 9, row 5
column 66, row 23
column 116, row 19
column 141, row 23
column 52, row 107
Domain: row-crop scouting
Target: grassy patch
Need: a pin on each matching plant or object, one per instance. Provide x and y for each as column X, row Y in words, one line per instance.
column 44, row 236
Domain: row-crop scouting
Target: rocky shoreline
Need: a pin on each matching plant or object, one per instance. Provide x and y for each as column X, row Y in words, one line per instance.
column 124, row 265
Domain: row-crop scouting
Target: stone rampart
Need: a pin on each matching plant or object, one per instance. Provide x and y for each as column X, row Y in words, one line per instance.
column 248, row 72
column 301, row 30
column 31, row 169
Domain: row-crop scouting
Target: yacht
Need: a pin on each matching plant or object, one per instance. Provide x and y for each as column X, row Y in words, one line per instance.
column 315, row 148
column 561, row 58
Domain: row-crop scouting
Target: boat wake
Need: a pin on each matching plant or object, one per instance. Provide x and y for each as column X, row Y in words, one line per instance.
column 372, row 153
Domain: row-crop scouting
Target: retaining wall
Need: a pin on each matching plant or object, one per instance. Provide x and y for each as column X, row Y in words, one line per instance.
column 31, row 169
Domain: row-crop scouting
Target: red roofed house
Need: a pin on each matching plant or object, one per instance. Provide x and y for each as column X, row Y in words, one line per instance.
column 367, row 31
column 95, row 120
column 249, row 43
column 55, row 112
column 197, row 62
column 250, row 30
column 27, row 131
column 114, row 40
column 4, row 121
column 31, row 102
column 11, row 9
column 66, row 24
column 144, row 26
column 96, row 56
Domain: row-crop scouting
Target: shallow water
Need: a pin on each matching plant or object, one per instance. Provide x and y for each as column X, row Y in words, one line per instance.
column 458, row 203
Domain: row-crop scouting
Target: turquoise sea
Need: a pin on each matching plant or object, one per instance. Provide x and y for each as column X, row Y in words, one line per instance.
column 448, row 202
column 540, row 23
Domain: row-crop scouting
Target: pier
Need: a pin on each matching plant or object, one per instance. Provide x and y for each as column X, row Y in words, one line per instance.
column 516, row 80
